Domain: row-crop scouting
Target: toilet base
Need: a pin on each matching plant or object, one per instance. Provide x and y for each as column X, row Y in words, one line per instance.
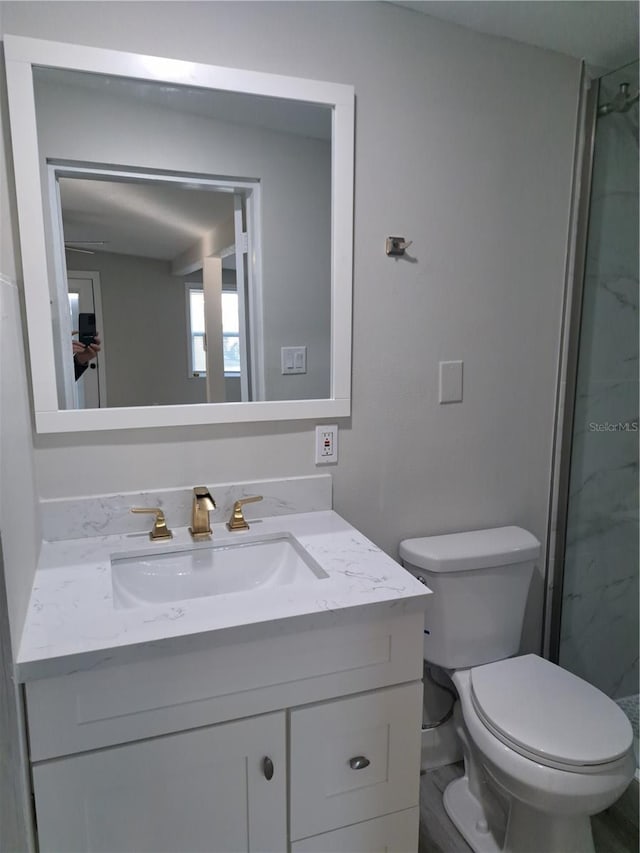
column 468, row 817
column 527, row 830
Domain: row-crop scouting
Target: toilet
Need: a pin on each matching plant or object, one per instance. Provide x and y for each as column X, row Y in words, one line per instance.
column 543, row 749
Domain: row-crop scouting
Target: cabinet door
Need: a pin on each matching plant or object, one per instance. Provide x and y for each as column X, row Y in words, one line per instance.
column 354, row 759
column 201, row 790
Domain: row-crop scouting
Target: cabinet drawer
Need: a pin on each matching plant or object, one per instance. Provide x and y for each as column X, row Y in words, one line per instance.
column 393, row 833
column 141, row 699
column 329, row 787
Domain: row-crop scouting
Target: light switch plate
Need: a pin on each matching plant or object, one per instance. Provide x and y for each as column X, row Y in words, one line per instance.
column 293, row 359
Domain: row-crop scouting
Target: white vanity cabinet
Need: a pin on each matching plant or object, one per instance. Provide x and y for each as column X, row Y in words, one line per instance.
column 168, row 754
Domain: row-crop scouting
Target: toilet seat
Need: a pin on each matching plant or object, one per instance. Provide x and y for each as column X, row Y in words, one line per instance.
column 549, row 715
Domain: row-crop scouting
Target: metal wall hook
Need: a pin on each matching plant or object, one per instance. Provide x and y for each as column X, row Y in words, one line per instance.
column 396, row 246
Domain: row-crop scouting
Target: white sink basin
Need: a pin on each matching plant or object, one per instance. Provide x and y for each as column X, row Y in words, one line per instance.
column 176, row 573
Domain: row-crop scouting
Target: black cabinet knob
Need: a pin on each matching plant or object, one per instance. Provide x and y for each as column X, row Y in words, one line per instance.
column 267, row 768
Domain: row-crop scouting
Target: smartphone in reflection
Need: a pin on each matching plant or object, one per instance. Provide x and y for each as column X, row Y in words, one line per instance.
column 86, row 328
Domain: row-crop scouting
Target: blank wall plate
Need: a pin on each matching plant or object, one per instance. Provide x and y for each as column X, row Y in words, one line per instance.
column 450, row 382
column 326, row 444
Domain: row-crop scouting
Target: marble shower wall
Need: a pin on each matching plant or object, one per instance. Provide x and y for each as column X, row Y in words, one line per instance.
column 599, row 629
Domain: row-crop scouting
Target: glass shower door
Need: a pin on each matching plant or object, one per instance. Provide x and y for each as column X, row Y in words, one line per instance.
column 599, row 620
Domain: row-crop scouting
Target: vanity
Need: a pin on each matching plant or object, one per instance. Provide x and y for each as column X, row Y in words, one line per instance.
column 281, row 716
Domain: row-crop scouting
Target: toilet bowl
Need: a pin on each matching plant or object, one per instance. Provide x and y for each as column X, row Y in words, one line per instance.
column 543, row 750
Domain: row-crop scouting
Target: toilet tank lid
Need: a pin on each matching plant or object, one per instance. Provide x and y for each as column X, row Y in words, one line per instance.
column 475, row 549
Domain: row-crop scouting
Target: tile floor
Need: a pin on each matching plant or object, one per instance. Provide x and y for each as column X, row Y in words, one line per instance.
column 437, row 833
column 614, row 831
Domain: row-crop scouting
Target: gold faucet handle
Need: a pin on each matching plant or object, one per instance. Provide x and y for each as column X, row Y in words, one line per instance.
column 160, row 529
column 237, row 520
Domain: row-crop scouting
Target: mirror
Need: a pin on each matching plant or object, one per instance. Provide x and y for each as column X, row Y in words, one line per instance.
column 204, row 215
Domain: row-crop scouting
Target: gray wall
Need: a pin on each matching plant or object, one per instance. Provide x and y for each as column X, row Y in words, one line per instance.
column 19, row 546
column 295, row 179
column 14, row 799
column 19, row 514
column 464, row 145
column 145, row 330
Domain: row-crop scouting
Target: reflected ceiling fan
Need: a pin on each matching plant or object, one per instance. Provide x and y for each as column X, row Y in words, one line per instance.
column 75, row 246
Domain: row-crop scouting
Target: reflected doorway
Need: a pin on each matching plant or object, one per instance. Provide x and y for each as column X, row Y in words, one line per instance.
column 89, row 392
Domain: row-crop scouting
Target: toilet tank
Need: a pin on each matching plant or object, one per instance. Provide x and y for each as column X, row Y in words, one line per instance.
column 480, row 580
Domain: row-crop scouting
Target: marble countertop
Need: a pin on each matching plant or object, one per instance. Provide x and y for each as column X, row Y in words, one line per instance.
column 72, row 623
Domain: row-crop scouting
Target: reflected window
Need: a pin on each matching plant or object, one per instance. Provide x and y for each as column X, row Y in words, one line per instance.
column 230, row 333
column 198, row 366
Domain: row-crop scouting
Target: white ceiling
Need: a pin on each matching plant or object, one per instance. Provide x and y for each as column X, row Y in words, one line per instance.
column 279, row 114
column 602, row 32
column 152, row 220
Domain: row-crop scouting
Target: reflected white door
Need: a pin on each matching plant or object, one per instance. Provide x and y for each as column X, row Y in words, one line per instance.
column 84, row 297
column 242, row 272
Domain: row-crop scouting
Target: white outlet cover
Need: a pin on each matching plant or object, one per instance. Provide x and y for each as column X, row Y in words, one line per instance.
column 326, row 444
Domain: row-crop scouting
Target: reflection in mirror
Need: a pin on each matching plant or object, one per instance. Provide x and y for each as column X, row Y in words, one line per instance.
column 208, row 198
column 131, row 268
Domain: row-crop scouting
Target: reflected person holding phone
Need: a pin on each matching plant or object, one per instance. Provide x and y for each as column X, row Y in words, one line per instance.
column 83, row 354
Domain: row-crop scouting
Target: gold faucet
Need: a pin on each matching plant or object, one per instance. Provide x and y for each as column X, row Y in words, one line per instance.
column 202, row 505
column 237, row 520
column 160, row 529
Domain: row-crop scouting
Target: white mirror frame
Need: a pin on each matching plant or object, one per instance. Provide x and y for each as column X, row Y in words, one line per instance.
column 21, row 55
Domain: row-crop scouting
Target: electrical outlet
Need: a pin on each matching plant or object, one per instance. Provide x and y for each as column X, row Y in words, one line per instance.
column 326, row 444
